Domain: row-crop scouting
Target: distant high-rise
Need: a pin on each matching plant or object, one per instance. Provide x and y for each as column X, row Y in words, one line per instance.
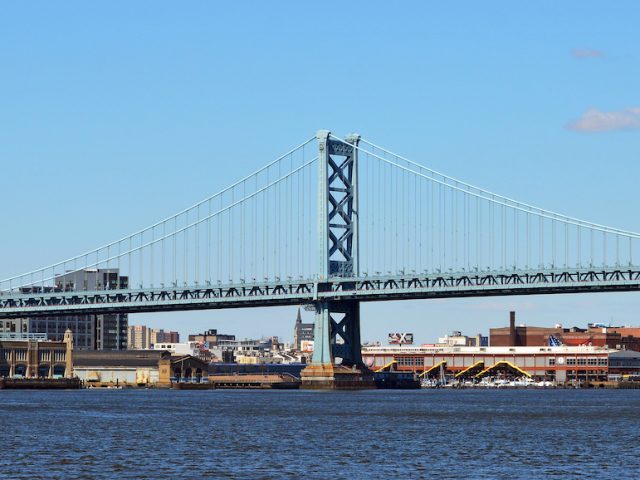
column 163, row 336
column 141, row 337
column 90, row 332
column 138, row 337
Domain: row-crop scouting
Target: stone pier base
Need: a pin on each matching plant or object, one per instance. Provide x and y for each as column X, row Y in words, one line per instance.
column 336, row 377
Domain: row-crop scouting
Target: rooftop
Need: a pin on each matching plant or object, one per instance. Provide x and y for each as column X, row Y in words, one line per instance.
column 118, row 358
column 421, row 350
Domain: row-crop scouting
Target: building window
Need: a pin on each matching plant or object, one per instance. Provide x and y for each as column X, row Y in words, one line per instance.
column 409, row 361
column 552, row 362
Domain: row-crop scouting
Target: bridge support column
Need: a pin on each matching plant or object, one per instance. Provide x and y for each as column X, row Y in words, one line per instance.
column 337, row 358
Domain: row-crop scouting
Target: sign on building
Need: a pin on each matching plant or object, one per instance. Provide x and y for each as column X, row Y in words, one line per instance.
column 400, row 338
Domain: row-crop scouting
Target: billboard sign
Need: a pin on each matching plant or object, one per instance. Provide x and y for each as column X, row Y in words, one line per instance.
column 400, row 338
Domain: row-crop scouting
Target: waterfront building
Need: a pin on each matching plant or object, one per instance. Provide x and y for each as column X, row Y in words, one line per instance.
column 128, row 367
column 90, row 332
column 302, row 332
column 624, row 364
column 137, row 368
column 28, row 355
column 188, row 369
column 560, row 363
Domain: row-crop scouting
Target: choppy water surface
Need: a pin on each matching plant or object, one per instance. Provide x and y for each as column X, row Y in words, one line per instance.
column 297, row 434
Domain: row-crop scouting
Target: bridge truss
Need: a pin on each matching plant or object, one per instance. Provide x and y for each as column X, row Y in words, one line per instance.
column 334, row 222
column 309, row 292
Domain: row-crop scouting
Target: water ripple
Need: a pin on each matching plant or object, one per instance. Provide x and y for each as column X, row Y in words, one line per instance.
column 150, row 434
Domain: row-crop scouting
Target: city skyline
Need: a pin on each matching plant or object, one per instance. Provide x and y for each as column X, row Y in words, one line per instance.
column 551, row 120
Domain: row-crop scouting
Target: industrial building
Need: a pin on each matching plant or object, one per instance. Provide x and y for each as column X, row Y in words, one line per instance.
column 621, row 338
column 137, row 368
column 130, row 367
column 560, row 364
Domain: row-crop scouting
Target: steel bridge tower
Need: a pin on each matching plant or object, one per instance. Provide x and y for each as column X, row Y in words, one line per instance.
column 337, row 359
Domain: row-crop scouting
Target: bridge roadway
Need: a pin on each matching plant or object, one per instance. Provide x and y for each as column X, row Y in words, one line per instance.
column 296, row 292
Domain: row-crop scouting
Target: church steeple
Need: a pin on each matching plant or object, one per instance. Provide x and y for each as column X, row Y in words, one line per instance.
column 297, row 331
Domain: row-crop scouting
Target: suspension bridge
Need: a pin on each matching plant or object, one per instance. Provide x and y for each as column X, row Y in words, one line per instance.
column 331, row 223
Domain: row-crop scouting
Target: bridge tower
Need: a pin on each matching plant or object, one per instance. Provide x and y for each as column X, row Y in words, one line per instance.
column 337, row 359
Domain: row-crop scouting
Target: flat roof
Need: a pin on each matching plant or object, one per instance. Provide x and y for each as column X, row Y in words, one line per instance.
column 625, row 354
column 450, row 350
column 118, row 358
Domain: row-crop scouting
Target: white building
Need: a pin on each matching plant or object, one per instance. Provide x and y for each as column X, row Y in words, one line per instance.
column 186, row 348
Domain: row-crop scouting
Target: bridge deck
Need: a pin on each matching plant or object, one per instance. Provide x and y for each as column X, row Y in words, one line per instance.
column 409, row 287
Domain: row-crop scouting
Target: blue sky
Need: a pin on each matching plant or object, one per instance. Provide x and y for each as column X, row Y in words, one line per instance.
column 115, row 115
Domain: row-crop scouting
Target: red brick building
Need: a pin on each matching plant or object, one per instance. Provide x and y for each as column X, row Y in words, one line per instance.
column 526, row 336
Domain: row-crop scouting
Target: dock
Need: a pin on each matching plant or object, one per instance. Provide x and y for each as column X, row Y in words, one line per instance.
column 255, row 381
column 40, row 383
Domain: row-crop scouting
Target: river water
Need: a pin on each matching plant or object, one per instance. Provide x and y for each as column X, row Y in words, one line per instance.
column 148, row 434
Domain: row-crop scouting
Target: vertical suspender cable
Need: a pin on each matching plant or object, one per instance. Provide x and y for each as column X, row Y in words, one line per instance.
column 566, row 245
column 579, row 249
column 196, row 260
column 478, row 234
column 417, row 218
column 185, row 258
column 542, row 240
column 231, row 273
column 553, row 243
column 209, row 221
column 162, row 249
column 174, row 235
column 491, row 233
column 141, row 255
column 528, row 266
column 515, row 239
column 151, row 272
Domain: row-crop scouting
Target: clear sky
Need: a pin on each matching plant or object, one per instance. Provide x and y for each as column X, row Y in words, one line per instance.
column 116, row 114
